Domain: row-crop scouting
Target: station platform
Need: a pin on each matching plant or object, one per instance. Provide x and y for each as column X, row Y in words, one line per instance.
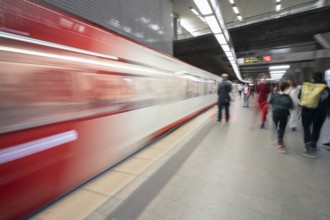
column 207, row 170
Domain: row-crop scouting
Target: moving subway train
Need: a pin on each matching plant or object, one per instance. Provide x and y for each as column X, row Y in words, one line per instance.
column 76, row 100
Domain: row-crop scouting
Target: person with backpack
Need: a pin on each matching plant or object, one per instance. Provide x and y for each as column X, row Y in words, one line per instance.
column 224, row 90
column 314, row 100
column 281, row 104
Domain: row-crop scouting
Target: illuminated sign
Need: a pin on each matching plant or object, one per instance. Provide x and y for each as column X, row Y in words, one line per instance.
column 267, row 59
column 240, row 60
column 250, row 60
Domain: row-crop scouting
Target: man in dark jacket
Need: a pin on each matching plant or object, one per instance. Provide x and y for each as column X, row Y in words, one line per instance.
column 224, row 89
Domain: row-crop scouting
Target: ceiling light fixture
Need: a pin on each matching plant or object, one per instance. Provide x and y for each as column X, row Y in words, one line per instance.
column 194, row 11
column 203, row 6
column 221, row 38
column 279, row 67
column 218, row 26
column 213, row 24
column 239, row 17
column 232, row 2
column 235, row 9
column 278, row 7
column 197, row 14
column 225, row 47
column 228, row 54
column 278, row 72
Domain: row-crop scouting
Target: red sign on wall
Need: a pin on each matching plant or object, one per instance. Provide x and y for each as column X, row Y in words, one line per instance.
column 266, row 58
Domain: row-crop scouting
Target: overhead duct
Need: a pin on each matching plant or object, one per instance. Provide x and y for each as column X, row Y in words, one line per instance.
column 323, row 39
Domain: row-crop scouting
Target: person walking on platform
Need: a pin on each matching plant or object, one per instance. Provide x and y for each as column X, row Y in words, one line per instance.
column 281, row 104
column 262, row 89
column 246, row 93
column 292, row 91
column 224, row 90
column 315, row 100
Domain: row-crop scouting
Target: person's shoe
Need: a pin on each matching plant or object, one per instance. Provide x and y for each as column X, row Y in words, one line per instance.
column 262, row 125
column 282, row 150
column 327, row 144
column 310, row 146
column 310, row 154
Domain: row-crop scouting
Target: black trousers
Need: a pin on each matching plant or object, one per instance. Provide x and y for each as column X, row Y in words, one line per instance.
column 280, row 123
column 226, row 106
column 312, row 121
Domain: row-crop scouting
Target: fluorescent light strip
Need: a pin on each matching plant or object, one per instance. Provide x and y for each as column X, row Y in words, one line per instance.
column 278, row 7
column 229, row 54
column 53, row 45
column 221, row 38
column 235, row 9
column 225, row 47
column 279, row 67
column 213, row 24
column 279, row 72
column 194, row 11
column 203, row 6
column 239, row 17
column 232, row 2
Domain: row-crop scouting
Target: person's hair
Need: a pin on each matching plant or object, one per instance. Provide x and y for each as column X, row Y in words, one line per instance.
column 317, row 77
column 293, row 83
column 283, row 86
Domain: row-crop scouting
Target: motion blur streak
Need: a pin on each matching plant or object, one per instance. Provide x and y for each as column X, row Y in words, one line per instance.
column 76, row 59
column 36, row 146
column 49, row 44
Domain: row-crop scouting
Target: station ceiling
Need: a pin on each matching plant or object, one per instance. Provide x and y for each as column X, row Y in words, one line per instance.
column 287, row 39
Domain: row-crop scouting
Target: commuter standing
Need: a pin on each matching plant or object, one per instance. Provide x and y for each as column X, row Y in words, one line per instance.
column 224, row 89
column 240, row 88
column 262, row 89
column 246, row 94
column 281, row 103
column 314, row 99
column 292, row 91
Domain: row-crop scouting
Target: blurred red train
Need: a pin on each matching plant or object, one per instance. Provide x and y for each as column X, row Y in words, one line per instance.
column 76, row 100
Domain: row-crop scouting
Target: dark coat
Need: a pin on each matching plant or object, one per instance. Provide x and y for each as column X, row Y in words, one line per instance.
column 224, row 89
column 281, row 103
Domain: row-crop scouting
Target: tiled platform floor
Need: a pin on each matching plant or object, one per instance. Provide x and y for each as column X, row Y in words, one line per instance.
column 210, row 170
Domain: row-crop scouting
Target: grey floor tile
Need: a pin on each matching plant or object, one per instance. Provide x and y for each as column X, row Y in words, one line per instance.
column 298, row 213
column 199, row 214
column 235, row 173
column 242, row 213
column 146, row 215
column 96, row 216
